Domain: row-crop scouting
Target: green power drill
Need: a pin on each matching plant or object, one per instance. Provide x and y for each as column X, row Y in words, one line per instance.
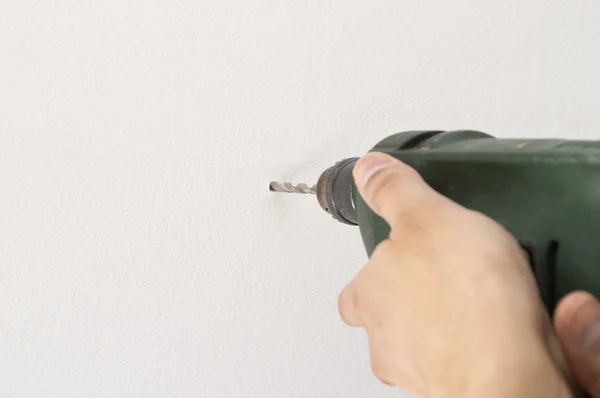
column 545, row 192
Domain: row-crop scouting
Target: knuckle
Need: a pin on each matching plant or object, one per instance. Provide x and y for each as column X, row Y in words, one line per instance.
column 358, row 304
column 349, row 306
column 361, row 308
column 342, row 304
column 345, row 305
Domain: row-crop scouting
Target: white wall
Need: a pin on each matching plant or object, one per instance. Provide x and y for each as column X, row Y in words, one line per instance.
column 140, row 251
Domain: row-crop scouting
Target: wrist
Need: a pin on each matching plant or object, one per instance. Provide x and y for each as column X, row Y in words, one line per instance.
column 526, row 371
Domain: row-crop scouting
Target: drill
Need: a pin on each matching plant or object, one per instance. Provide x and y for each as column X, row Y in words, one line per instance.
column 545, row 192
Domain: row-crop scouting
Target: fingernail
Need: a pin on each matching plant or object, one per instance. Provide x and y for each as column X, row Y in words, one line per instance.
column 589, row 335
column 368, row 165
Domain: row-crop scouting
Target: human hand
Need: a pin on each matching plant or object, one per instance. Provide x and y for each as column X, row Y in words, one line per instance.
column 448, row 302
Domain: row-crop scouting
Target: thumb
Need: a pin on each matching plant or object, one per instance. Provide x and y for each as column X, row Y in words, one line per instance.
column 577, row 324
column 394, row 190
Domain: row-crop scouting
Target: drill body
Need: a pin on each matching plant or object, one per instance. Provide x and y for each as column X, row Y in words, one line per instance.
column 546, row 193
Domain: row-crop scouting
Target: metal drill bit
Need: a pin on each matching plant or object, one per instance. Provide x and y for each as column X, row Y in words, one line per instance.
column 291, row 188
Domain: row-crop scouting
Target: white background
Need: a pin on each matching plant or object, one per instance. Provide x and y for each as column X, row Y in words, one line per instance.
column 141, row 254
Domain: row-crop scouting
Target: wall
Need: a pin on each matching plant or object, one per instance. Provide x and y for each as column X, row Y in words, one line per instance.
column 140, row 251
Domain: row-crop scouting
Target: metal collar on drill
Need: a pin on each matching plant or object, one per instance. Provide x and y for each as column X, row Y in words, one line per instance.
column 334, row 191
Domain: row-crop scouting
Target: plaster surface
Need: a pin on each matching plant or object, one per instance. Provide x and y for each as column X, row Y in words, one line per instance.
column 141, row 254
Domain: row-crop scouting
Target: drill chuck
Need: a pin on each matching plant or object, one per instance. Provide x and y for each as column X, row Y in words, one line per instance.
column 333, row 191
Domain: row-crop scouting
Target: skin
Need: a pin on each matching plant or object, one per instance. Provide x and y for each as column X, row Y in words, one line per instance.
column 450, row 306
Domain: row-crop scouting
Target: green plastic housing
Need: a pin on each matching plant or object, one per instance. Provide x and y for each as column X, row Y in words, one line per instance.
column 545, row 192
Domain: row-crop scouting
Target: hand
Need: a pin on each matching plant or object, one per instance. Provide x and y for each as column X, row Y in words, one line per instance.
column 577, row 324
column 448, row 302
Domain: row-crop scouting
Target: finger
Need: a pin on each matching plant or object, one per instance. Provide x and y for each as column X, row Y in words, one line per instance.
column 380, row 365
column 577, row 324
column 391, row 368
column 392, row 189
column 347, row 306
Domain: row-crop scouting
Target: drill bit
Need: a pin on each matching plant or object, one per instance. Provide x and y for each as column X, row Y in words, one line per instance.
column 291, row 188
